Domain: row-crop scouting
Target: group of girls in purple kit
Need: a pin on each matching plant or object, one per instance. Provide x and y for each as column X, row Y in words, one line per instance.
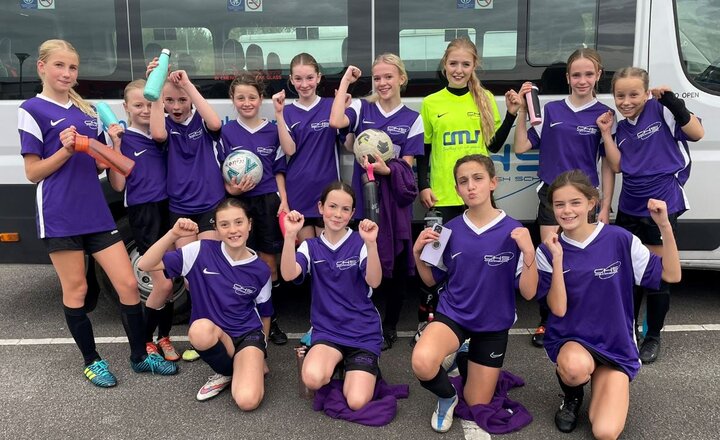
column 225, row 247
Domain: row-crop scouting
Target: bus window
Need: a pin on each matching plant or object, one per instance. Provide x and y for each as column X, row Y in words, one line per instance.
column 191, row 48
column 23, row 27
column 556, row 28
column 423, row 36
column 699, row 50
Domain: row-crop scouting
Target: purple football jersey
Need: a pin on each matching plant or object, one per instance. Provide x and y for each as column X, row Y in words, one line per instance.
column 599, row 277
column 478, row 281
column 655, row 161
column 403, row 125
column 315, row 162
column 262, row 140
column 148, row 180
column 568, row 139
column 341, row 311
column 194, row 180
column 69, row 201
column 231, row 294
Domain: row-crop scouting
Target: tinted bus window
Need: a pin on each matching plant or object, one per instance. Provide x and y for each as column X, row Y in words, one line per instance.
column 556, row 28
column 424, row 35
column 699, row 47
column 100, row 42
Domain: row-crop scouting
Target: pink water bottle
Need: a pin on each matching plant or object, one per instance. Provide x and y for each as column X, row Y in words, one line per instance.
column 533, row 106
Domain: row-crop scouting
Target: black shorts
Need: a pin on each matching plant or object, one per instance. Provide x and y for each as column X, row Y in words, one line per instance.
column 89, row 243
column 644, row 228
column 314, row 221
column 355, row 358
column 254, row 338
column 449, row 212
column 602, row 360
column 205, row 220
column 486, row 348
column 148, row 223
column 545, row 214
column 265, row 235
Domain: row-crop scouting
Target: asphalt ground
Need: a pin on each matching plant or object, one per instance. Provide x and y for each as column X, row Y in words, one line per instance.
column 44, row 394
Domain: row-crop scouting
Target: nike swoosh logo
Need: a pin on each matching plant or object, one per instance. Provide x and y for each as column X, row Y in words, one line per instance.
column 293, row 126
column 207, row 272
column 174, row 132
column 621, row 142
column 114, row 232
column 442, row 114
column 452, row 257
column 552, row 124
column 367, row 122
column 318, row 261
column 138, row 153
column 566, row 271
column 54, row 123
column 495, row 356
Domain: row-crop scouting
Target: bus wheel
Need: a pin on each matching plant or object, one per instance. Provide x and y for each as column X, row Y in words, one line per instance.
column 179, row 298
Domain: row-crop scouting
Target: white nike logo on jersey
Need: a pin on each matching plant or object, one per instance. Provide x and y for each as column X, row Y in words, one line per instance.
column 566, row 271
column 138, row 153
column 452, row 257
column 293, row 126
column 207, row 272
column 621, row 142
column 174, row 132
column 54, row 123
column 318, row 261
column 552, row 124
column 368, row 122
column 495, row 356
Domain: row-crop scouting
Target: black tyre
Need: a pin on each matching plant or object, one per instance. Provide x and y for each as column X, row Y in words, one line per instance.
column 179, row 298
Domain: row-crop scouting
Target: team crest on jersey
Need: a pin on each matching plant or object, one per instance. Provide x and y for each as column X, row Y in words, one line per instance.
column 265, row 151
column 244, row 290
column 497, row 260
column 92, row 124
column 474, row 115
column 586, row 129
column 607, row 272
column 317, row 126
column 397, row 129
column 348, row 263
column 649, row 131
column 195, row 135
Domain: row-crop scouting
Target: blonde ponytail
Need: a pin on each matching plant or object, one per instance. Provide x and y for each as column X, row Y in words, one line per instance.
column 477, row 91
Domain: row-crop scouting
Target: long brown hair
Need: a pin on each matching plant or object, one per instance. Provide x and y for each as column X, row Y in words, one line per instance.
column 478, row 92
column 581, row 182
column 44, row 51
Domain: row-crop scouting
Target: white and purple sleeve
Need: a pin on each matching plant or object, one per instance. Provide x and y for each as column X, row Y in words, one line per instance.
column 545, row 270
column 179, row 262
column 647, row 267
column 31, row 137
column 302, row 257
column 353, row 114
column 262, row 301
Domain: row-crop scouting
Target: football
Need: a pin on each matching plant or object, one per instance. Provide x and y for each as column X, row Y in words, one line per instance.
column 373, row 141
column 240, row 163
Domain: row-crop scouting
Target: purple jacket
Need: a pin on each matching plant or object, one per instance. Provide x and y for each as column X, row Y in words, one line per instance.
column 397, row 193
column 379, row 411
column 501, row 415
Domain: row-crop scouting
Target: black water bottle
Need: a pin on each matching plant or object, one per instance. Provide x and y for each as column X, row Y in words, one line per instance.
column 370, row 194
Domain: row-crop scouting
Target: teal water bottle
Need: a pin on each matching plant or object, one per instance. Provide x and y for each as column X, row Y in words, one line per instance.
column 107, row 116
column 156, row 80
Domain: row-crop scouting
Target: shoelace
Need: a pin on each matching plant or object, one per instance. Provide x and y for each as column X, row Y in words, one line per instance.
column 99, row 368
column 166, row 345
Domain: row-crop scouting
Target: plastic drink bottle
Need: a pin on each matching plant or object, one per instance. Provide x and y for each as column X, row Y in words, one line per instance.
column 104, row 154
column 156, row 80
column 107, row 116
column 533, row 106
